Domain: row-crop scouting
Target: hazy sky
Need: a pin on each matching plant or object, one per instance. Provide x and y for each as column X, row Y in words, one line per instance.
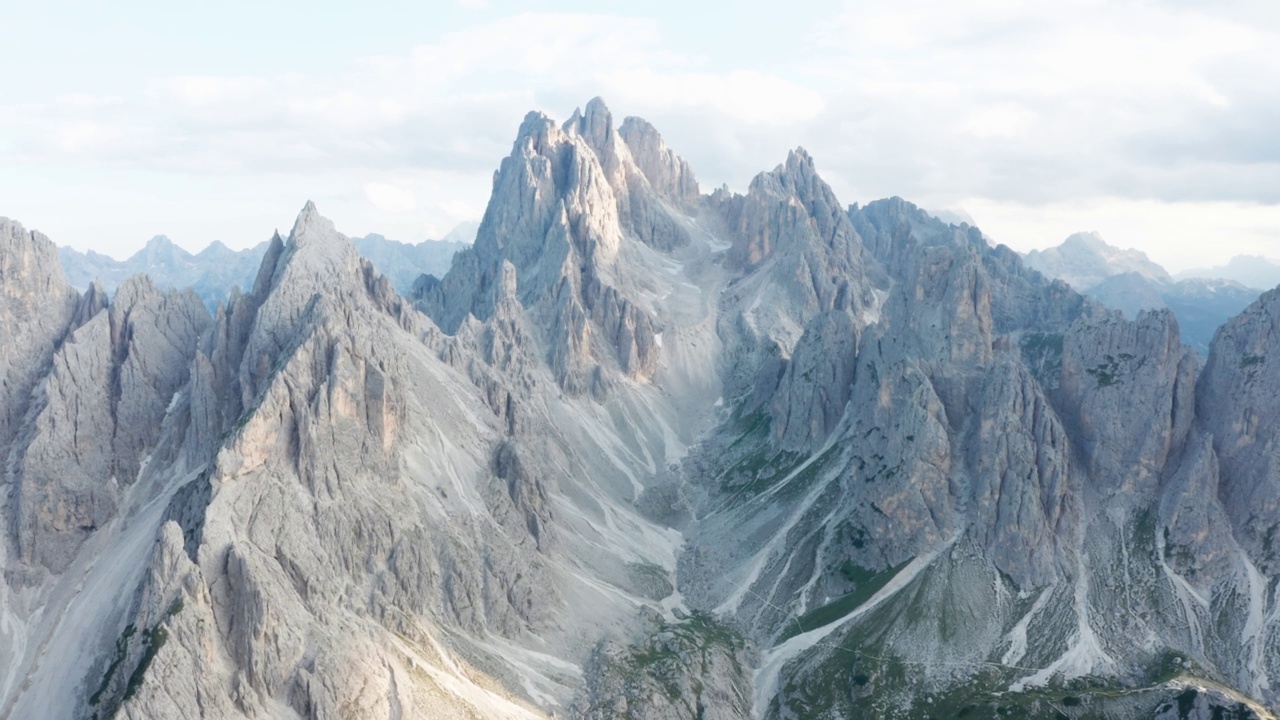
column 1155, row 123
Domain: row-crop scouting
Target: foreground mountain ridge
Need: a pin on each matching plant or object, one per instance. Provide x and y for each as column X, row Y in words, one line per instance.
column 641, row 453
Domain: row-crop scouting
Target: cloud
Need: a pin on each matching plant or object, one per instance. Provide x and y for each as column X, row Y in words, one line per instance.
column 1041, row 102
column 1002, row 103
column 1179, row 235
column 450, row 104
column 390, row 198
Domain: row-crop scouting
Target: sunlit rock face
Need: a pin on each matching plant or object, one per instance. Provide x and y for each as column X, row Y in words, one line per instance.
column 640, row 452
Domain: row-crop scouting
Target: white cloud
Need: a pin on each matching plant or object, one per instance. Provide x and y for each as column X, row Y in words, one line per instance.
column 1037, row 102
column 1178, row 235
column 390, row 198
column 1007, row 107
column 1000, row 120
column 749, row 98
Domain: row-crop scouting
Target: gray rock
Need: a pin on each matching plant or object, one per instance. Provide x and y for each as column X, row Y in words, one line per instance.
column 557, row 218
column 99, row 415
column 36, row 307
column 1235, row 402
column 670, row 176
column 817, row 383
column 692, row 669
column 1084, row 260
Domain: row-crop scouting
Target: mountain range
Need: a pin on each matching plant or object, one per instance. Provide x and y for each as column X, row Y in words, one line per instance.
column 641, row 452
column 1128, row 281
column 214, row 271
column 1252, row 271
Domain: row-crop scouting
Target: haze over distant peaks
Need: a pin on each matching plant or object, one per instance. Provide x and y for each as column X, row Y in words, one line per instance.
column 403, row 263
column 1253, row 271
column 1129, row 281
column 954, row 216
column 1085, row 259
column 215, row 270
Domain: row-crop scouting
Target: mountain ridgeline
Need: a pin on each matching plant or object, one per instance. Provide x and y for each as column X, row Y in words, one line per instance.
column 214, row 271
column 641, row 452
column 1128, row 281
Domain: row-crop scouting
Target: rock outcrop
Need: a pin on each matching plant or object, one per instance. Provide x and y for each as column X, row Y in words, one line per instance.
column 562, row 204
column 1236, row 405
column 37, row 309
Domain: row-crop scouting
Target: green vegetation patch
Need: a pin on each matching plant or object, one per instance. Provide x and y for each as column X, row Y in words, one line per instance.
column 1110, row 372
column 676, row 649
column 1042, row 345
column 122, row 650
column 153, row 640
column 1042, row 352
column 1106, row 374
column 867, row 584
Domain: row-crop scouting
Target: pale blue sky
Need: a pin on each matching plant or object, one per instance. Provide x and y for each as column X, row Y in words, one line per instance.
column 1152, row 122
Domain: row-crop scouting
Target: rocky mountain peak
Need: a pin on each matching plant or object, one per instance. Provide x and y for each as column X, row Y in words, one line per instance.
column 1086, row 240
column 799, row 162
column 36, row 307
column 133, row 291
column 1084, row 259
column 789, row 207
column 1236, row 397
column 158, row 243
column 1129, row 281
column 308, row 217
column 670, row 175
column 535, row 132
column 161, row 253
column 595, row 125
column 316, row 245
column 1252, row 271
column 28, row 261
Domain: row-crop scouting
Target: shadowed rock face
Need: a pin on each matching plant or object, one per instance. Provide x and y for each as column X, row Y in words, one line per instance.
column 1239, row 410
column 640, row 453
column 36, row 310
column 100, row 411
